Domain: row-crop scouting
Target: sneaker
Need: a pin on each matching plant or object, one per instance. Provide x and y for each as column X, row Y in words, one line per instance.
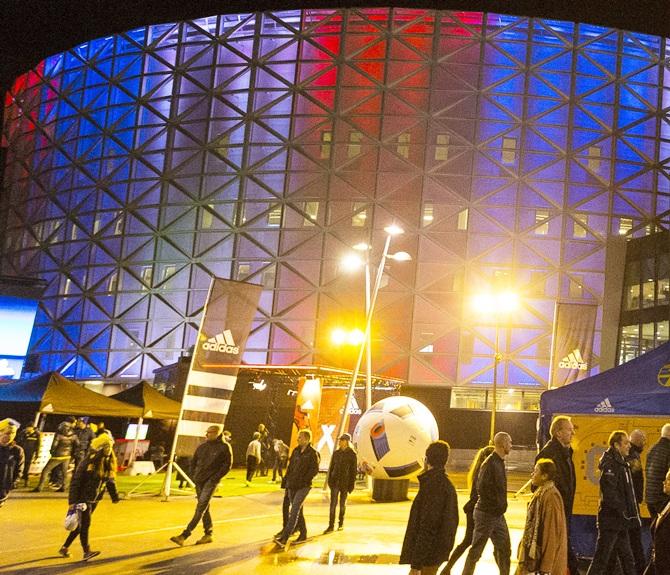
column 302, row 537
column 64, row 551
column 340, row 527
column 280, row 541
column 329, row 529
column 178, row 540
column 90, row 554
column 206, row 538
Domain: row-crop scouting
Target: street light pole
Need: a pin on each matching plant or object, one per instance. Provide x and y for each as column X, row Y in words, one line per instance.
column 496, row 360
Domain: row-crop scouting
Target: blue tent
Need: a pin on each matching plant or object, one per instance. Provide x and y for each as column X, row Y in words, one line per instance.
column 639, row 387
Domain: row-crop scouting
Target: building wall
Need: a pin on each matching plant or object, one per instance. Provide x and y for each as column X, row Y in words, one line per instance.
column 263, row 146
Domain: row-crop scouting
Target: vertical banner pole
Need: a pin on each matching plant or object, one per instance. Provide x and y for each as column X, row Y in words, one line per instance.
column 165, row 491
column 131, row 460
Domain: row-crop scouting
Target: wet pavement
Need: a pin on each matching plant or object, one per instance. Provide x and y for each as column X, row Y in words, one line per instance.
column 133, row 537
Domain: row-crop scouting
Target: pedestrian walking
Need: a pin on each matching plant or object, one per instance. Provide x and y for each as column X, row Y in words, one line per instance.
column 433, row 517
column 11, row 458
column 94, row 475
column 544, row 544
column 280, row 459
column 638, row 440
column 211, row 461
column 64, row 445
column 469, row 509
column 660, row 532
column 618, row 510
column 254, row 456
column 489, row 514
column 302, row 468
column 29, row 439
column 84, row 435
column 559, row 450
column 341, row 479
column 658, row 465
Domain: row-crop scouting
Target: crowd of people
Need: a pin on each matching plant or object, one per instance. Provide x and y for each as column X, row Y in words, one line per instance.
column 428, row 545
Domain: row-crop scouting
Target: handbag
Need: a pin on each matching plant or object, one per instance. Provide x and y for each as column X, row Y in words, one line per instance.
column 73, row 516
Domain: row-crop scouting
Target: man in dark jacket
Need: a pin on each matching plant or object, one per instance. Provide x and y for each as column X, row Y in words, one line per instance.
column 11, row 458
column 29, row 439
column 618, row 510
column 302, row 468
column 558, row 449
column 63, row 447
column 658, row 465
column 85, row 435
column 489, row 514
column 637, row 442
column 211, row 461
column 341, row 479
column 433, row 518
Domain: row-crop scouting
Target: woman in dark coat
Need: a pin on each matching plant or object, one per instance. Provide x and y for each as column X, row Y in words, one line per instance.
column 433, row 518
column 93, row 475
column 11, row 458
column 660, row 531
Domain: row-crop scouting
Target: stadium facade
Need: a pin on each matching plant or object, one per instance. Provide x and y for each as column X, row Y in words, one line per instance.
column 513, row 151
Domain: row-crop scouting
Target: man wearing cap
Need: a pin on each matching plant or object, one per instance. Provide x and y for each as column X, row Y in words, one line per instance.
column 341, row 479
column 211, row 461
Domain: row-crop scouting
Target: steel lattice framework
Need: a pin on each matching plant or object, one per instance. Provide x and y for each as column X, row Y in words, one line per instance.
column 263, row 146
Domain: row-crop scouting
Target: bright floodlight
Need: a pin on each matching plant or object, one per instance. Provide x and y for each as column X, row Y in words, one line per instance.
column 400, row 257
column 355, row 337
column 338, row 336
column 352, row 262
column 394, row 230
column 361, row 247
column 502, row 302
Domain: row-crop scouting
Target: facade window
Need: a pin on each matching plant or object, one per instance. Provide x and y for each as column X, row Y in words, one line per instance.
column 594, row 155
column 73, row 232
column 274, row 217
column 147, row 276
column 354, row 147
column 402, row 147
column 96, row 224
column 632, row 285
column 462, row 221
column 661, row 332
column 579, row 224
column 118, row 227
column 67, row 286
column 360, row 216
column 268, row 277
column 508, row 150
column 629, row 344
column 576, row 288
column 221, row 145
column 647, row 337
column 113, row 282
column 326, row 144
column 541, row 222
column 442, row 147
column 312, row 211
column 167, row 271
column 663, row 289
column 648, row 289
column 428, row 214
column 625, row 226
column 207, row 218
column 243, row 271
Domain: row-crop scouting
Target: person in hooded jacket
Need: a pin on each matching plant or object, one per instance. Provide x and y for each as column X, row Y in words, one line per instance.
column 64, row 445
column 93, row 476
column 211, row 461
column 30, row 439
column 618, row 510
column 433, row 517
column 341, row 479
column 11, row 458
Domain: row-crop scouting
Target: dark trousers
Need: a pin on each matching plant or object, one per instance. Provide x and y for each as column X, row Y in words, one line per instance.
column 29, row 454
column 64, row 462
column 204, row 492
column 252, row 462
column 278, row 468
column 487, row 527
column 296, row 518
column 463, row 545
column 635, row 537
column 335, row 494
column 611, row 542
column 83, row 529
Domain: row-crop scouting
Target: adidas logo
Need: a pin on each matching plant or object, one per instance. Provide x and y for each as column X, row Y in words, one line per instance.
column 222, row 343
column 604, row 406
column 354, row 408
column 573, row 360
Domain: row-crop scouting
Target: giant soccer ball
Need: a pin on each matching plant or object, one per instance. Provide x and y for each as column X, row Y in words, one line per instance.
column 392, row 436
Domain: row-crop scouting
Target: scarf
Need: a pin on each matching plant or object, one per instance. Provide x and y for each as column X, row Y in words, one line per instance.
column 529, row 552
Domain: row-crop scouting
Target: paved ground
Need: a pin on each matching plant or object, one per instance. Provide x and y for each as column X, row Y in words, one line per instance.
column 134, row 537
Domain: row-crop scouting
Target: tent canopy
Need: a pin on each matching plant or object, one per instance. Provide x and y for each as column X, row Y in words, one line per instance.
column 53, row 393
column 639, row 387
column 153, row 403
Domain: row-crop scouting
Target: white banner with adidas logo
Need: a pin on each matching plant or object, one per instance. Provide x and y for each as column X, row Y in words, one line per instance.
column 225, row 326
column 572, row 349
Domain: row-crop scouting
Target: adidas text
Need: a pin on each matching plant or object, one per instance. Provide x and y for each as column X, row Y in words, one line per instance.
column 221, row 348
column 604, row 406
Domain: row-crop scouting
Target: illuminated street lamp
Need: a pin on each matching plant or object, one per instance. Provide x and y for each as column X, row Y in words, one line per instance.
column 494, row 305
column 370, row 300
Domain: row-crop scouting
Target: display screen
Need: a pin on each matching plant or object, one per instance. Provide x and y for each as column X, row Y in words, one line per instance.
column 17, row 316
